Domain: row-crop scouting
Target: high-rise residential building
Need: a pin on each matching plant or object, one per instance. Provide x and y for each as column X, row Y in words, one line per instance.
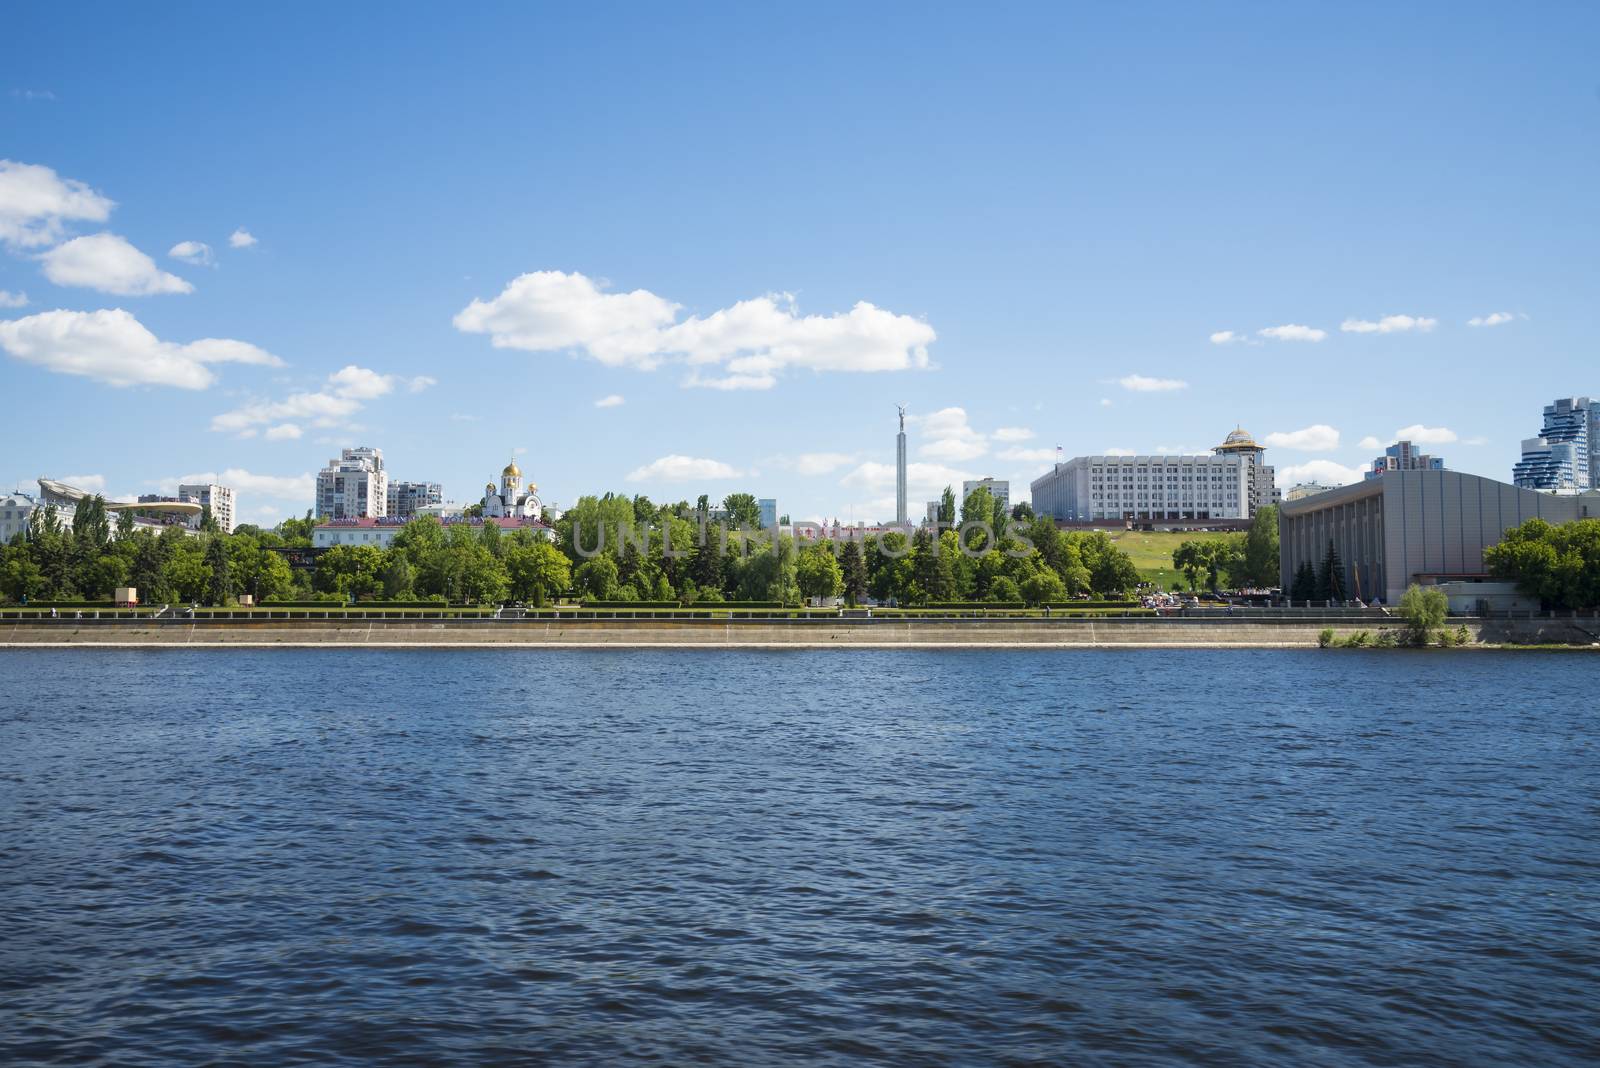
column 769, row 512
column 900, row 471
column 406, row 499
column 1263, row 488
column 1403, row 456
column 1230, row 483
column 353, row 486
column 220, row 499
column 1566, row 454
column 998, row 488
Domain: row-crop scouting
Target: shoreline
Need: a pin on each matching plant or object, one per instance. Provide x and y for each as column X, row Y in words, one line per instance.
column 683, row 634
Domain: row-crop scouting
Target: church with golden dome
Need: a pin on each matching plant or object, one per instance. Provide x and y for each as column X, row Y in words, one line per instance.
column 511, row 499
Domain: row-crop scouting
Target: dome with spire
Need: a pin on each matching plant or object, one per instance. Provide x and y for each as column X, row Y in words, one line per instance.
column 511, row 470
column 1238, row 439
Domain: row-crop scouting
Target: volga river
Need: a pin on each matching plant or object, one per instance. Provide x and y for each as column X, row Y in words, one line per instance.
column 844, row 858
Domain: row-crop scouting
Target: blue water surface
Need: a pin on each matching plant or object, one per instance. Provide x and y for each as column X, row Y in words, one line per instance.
column 710, row 857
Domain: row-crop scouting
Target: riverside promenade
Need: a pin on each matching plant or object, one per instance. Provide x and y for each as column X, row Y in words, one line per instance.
column 753, row 633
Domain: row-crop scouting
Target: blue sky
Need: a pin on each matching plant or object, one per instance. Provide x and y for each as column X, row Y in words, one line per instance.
column 1003, row 219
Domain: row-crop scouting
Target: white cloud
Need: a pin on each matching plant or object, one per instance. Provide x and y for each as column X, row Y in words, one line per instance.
column 9, row 299
column 241, row 238
column 283, row 432
column 1028, row 455
column 821, row 463
column 420, row 383
column 1369, row 442
column 1492, row 319
column 948, row 436
column 1325, row 472
column 346, row 391
column 1144, row 384
column 112, row 346
column 1105, row 402
column 464, row 417
column 35, row 202
column 751, row 343
column 196, row 252
column 1425, row 435
column 924, row 482
column 1120, row 452
column 1318, row 438
column 1013, row 433
column 108, row 263
column 610, row 400
column 1292, row 332
column 1226, row 337
column 88, row 483
column 300, row 488
column 677, row 468
column 1479, row 440
column 1389, row 324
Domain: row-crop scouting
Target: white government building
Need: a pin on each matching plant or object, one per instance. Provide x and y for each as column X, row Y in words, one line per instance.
column 1230, row 483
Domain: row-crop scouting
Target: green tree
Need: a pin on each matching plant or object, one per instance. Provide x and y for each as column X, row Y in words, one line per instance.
column 1305, row 583
column 1022, row 512
column 597, row 578
column 853, row 569
column 1004, row 588
column 537, row 571
column 947, row 506
column 1330, row 579
column 395, row 575
column 978, row 507
column 1189, row 558
column 1424, row 609
column 930, row 569
column 219, row 584
column 1560, row 565
column 1043, row 587
column 818, row 574
column 743, row 509
column 1260, row 564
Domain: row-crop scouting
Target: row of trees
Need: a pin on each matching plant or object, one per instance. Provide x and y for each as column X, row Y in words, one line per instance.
column 1233, row 560
column 95, row 556
column 631, row 549
column 606, row 548
column 1560, row 565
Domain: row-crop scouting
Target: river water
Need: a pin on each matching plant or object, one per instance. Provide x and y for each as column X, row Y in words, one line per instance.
column 744, row 858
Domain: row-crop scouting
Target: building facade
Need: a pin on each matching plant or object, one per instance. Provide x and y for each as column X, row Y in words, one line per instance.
column 998, row 488
column 1305, row 489
column 1403, row 456
column 1231, row 483
column 408, row 499
column 768, row 507
column 353, row 486
column 220, row 499
column 1565, row 457
column 380, row 531
column 14, row 513
column 1413, row 526
column 511, row 499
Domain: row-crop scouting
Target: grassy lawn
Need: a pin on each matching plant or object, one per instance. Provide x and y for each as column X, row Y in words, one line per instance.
column 1151, row 551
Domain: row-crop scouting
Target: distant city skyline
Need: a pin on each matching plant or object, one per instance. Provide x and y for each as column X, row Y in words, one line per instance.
column 1129, row 237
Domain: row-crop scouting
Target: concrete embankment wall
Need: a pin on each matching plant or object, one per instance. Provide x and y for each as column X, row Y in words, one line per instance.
column 633, row 633
column 708, row 634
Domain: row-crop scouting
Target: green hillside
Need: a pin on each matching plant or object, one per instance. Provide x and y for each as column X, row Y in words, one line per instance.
column 1151, row 551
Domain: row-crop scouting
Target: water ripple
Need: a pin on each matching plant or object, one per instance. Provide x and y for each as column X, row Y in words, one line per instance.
column 899, row 858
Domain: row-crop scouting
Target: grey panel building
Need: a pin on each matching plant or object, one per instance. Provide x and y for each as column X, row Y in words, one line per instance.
column 1413, row 526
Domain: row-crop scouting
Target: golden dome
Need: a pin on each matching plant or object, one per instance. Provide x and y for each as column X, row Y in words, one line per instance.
column 1239, row 439
column 511, row 470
